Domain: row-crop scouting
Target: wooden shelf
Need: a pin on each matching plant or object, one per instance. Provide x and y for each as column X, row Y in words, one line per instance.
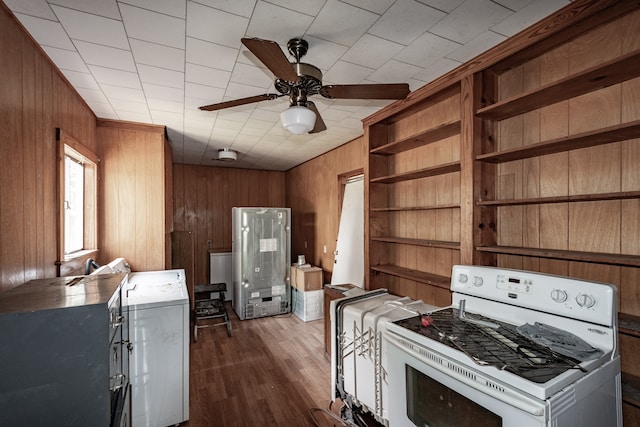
column 414, row 208
column 418, row 242
column 592, row 79
column 595, row 257
column 631, row 389
column 582, row 140
column 417, row 174
column 629, row 324
column 415, row 141
column 415, row 275
column 562, row 199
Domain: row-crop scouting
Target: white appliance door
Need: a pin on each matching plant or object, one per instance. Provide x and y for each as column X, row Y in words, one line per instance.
column 421, row 393
column 349, row 257
column 160, row 377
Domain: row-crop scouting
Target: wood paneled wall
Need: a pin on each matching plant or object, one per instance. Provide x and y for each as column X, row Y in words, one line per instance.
column 35, row 99
column 204, row 196
column 313, row 194
column 134, row 204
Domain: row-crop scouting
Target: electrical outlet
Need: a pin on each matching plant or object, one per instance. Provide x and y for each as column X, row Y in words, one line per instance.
column 305, row 244
column 325, row 249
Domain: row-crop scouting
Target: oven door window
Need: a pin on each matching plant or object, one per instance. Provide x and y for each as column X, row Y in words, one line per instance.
column 431, row 404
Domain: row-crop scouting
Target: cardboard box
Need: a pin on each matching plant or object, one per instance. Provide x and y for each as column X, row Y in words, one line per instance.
column 306, row 279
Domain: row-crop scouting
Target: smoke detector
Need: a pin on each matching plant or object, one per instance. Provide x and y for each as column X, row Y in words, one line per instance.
column 227, row 154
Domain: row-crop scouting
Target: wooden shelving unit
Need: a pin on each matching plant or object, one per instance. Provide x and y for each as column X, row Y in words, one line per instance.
column 417, row 174
column 398, row 187
column 547, row 138
column 417, row 276
column 598, row 77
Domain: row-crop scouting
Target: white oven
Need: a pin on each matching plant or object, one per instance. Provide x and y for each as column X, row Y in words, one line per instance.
column 440, row 374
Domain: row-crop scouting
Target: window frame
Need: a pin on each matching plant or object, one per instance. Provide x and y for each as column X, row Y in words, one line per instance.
column 67, row 145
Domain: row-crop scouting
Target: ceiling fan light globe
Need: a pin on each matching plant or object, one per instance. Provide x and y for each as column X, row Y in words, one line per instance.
column 298, row 120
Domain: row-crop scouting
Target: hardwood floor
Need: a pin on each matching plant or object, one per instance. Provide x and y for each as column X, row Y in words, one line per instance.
column 270, row 372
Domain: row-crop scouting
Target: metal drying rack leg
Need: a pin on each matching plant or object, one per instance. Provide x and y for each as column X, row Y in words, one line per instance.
column 207, row 308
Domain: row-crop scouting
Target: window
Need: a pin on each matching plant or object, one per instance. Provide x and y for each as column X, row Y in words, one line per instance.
column 77, row 198
column 73, row 204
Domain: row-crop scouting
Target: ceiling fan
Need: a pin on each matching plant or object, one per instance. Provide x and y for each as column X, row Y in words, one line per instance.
column 299, row 81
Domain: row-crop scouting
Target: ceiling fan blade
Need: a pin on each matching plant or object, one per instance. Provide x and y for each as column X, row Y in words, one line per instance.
column 366, row 91
column 241, row 101
column 319, row 125
column 270, row 54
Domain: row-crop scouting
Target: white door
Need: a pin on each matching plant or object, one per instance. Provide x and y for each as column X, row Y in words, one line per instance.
column 349, row 257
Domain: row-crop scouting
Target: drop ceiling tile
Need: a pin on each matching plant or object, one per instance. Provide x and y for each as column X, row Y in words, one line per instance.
column 92, row 28
column 405, row 21
column 164, row 105
column 119, row 92
column 123, row 105
column 66, row 59
column 470, row 19
column 153, row 27
column 322, row 53
column 36, row 8
column 371, row 51
column 239, row 90
column 105, row 8
column 341, row 23
column 275, row 23
column 308, row 7
column 427, row 49
column 206, row 76
column 46, row 33
column 163, row 92
column 157, row 55
column 476, row 46
column 233, row 115
column 346, row 73
column 115, row 77
column 161, row 76
column 81, row 80
column 167, row 118
column 237, row 7
column 102, row 109
column 375, row 6
column 215, row 25
column 436, row 70
column 105, row 56
column 108, row 116
column 514, row 4
column 203, row 93
column 93, row 96
column 136, row 117
column 530, row 14
column 177, row 8
column 251, row 75
column 210, row 54
column 444, row 5
column 394, row 72
column 266, row 115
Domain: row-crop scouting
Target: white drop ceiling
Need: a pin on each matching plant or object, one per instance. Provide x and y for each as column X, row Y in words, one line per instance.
column 157, row 61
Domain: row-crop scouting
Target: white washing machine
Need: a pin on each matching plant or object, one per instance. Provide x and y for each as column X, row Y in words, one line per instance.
column 159, row 313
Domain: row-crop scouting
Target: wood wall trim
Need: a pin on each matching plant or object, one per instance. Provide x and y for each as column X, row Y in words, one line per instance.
column 66, row 139
column 575, row 18
column 135, row 126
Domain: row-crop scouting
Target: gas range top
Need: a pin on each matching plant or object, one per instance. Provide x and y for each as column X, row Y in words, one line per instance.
column 503, row 347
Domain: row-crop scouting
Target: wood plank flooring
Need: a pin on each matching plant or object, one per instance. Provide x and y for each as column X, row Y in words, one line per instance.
column 270, row 372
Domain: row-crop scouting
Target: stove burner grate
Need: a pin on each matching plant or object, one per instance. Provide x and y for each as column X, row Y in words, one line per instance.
column 503, row 348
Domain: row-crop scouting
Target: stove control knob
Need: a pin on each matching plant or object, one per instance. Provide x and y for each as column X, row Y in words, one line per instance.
column 585, row 300
column 463, row 278
column 559, row 295
column 477, row 281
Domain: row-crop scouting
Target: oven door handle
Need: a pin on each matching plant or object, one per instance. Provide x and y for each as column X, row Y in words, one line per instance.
column 443, row 365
